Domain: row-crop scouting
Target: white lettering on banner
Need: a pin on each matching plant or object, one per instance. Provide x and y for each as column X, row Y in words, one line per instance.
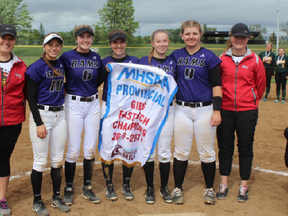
column 138, row 102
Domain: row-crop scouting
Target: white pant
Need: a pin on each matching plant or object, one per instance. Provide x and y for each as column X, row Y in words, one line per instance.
column 55, row 140
column 82, row 115
column 103, row 108
column 189, row 121
column 164, row 140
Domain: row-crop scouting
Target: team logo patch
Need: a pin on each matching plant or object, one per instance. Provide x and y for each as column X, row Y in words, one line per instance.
column 202, row 55
column 128, row 154
column 95, row 57
column 18, row 75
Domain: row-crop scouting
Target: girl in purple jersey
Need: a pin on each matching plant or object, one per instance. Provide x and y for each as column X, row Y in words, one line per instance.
column 197, row 109
column 47, row 123
column 82, row 107
column 157, row 58
column 117, row 38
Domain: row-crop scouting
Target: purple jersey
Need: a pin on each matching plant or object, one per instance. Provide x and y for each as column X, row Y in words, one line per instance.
column 50, row 87
column 168, row 65
column 81, row 72
column 192, row 74
column 105, row 61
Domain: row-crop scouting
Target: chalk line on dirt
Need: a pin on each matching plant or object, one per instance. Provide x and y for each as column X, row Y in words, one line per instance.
column 190, row 162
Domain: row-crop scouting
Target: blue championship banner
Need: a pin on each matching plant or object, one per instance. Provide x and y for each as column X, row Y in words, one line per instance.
column 137, row 107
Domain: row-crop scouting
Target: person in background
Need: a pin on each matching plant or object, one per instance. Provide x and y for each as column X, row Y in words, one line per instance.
column 281, row 65
column 268, row 59
column 12, row 102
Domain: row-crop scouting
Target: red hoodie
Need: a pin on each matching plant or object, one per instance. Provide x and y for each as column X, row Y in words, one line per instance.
column 13, row 97
column 242, row 84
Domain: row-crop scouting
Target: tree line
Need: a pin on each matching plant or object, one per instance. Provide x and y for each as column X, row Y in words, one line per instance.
column 114, row 14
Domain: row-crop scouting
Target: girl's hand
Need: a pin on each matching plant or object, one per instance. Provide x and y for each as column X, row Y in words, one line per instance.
column 42, row 131
column 107, row 69
column 215, row 119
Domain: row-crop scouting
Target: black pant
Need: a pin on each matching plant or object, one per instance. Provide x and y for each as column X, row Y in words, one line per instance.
column 8, row 139
column 269, row 73
column 280, row 78
column 244, row 123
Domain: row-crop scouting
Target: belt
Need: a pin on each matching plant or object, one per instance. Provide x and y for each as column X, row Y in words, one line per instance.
column 192, row 104
column 51, row 108
column 84, row 99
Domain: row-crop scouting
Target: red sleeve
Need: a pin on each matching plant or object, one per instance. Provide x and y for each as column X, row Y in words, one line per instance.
column 260, row 78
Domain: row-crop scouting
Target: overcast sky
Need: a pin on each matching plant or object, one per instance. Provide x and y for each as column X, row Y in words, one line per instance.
column 63, row 15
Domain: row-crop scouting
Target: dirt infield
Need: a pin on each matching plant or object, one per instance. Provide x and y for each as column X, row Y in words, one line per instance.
column 267, row 192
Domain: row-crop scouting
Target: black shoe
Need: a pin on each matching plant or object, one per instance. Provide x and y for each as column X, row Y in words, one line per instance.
column 68, row 195
column 177, row 194
column 110, row 192
column 243, row 194
column 150, row 195
column 39, row 208
column 223, row 192
column 166, row 194
column 57, row 202
column 126, row 191
column 209, row 196
column 89, row 194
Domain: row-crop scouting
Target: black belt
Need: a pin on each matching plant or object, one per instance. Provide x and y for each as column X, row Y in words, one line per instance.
column 51, row 108
column 85, row 99
column 192, row 104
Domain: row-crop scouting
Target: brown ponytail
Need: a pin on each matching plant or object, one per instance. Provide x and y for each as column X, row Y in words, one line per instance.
column 229, row 44
column 150, row 55
column 49, row 65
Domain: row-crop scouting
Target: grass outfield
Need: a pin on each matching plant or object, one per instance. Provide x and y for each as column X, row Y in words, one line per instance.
column 29, row 54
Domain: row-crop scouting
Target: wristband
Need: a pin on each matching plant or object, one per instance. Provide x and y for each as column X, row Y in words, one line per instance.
column 217, row 101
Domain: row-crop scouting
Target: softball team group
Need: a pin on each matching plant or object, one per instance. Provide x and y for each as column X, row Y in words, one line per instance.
column 215, row 95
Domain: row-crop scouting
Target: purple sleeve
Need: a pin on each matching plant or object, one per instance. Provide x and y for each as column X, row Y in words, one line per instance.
column 34, row 73
column 213, row 60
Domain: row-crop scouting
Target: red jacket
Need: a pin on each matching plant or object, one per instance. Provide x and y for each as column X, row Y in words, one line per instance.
column 242, row 84
column 13, row 96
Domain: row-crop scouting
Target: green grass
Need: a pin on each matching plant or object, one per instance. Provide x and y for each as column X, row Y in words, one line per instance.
column 29, row 54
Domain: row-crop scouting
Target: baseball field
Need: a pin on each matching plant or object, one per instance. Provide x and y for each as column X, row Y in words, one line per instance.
column 268, row 186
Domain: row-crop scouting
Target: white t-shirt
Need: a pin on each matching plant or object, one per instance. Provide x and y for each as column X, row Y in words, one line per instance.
column 237, row 59
column 5, row 68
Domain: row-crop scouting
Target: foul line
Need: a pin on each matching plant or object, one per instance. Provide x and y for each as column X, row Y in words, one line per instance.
column 189, row 162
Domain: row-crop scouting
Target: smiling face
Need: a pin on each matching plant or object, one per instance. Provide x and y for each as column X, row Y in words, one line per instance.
column 268, row 47
column 160, row 43
column 53, row 48
column 281, row 52
column 191, row 36
column 118, row 47
column 239, row 43
column 84, row 41
column 7, row 43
